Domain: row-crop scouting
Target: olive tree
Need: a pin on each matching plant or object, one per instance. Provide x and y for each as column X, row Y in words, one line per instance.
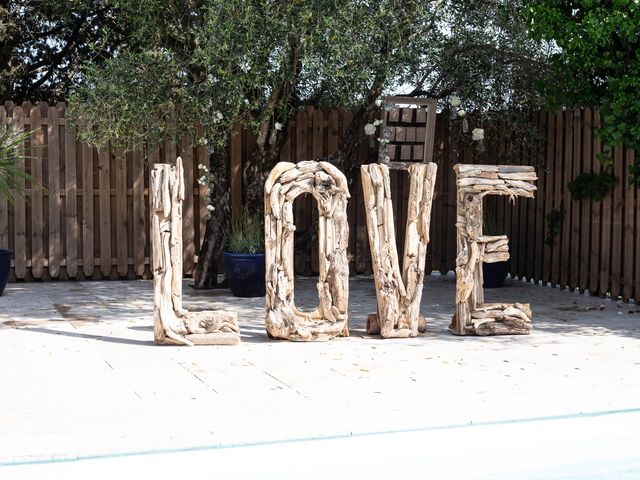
column 43, row 43
column 219, row 63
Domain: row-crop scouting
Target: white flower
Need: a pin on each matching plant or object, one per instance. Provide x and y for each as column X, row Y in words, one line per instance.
column 200, row 166
column 378, row 102
column 461, row 113
column 219, row 116
column 477, row 134
column 377, row 122
column 454, row 101
column 369, row 129
column 278, row 126
column 210, row 78
column 210, row 208
column 387, row 158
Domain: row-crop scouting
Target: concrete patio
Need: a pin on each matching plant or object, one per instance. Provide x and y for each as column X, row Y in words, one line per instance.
column 81, row 377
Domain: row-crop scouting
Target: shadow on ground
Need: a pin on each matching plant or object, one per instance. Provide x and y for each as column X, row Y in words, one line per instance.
column 49, row 307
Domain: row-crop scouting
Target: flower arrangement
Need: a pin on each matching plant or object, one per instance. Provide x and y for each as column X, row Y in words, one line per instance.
column 477, row 134
column 205, row 180
column 370, row 130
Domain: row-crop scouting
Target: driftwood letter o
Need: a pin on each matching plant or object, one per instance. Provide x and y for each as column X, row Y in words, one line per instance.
column 328, row 186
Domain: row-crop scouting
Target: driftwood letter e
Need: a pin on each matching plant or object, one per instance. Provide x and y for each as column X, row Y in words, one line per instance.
column 473, row 316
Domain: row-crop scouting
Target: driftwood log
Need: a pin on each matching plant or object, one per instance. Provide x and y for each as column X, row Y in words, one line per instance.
column 172, row 324
column 473, row 316
column 328, row 186
column 398, row 293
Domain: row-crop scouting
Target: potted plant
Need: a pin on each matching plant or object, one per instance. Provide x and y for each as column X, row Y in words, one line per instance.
column 244, row 257
column 11, row 149
column 493, row 274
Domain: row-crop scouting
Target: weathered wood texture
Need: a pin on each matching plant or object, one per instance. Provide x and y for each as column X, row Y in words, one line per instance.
column 373, row 325
column 407, row 134
column 172, row 324
column 398, row 293
column 329, row 188
column 473, row 316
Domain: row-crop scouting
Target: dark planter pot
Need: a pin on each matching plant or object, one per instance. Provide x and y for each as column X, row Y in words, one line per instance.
column 5, row 268
column 245, row 273
column 494, row 274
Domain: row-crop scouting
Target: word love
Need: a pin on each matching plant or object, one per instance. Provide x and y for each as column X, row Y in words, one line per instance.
column 398, row 291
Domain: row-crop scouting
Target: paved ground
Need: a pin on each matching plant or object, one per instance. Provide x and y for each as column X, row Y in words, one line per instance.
column 81, row 377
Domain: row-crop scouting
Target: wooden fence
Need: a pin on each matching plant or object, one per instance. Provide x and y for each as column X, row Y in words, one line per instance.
column 92, row 218
column 597, row 247
column 56, row 234
column 315, row 133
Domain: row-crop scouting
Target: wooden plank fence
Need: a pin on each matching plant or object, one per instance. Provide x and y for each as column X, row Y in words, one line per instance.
column 91, row 221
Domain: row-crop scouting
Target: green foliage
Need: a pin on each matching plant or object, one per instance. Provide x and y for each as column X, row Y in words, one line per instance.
column 485, row 56
column 44, row 42
column 12, row 149
column 246, row 234
column 591, row 186
column 130, row 99
column 634, row 173
column 253, row 62
column 597, row 61
column 554, row 225
column 222, row 62
column 259, row 62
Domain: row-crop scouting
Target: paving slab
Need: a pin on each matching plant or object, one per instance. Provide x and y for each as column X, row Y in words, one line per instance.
column 82, row 378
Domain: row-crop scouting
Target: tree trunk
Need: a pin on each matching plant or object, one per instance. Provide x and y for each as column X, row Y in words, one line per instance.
column 256, row 171
column 347, row 158
column 206, row 272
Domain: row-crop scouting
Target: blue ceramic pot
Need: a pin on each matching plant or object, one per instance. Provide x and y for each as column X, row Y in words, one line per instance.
column 5, row 268
column 245, row 273
column 494, row 274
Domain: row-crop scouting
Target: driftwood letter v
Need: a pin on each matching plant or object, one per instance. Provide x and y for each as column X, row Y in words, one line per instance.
column 398, row 294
